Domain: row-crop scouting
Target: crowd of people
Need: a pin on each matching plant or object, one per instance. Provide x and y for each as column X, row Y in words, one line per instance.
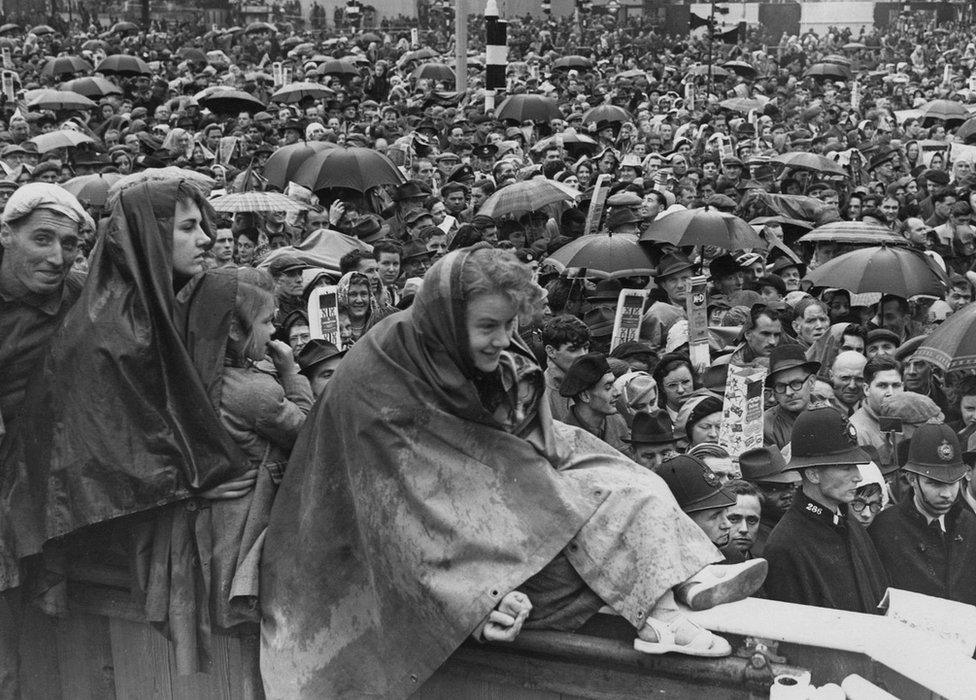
column 473, row 453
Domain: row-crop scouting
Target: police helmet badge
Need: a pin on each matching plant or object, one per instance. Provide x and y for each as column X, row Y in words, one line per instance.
column 945, row 451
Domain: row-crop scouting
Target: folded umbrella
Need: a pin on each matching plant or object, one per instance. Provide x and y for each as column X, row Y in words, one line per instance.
column 530, row 107
column 884, row 269
column 704, row 226
column 605, row 255
column 952, row 346
column 526, row 196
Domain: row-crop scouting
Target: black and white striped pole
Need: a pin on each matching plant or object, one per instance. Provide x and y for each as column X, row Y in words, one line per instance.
column 496, row 52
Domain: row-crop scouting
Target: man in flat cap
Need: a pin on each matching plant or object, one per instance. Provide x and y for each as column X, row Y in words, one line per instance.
column 817, row 555
column 318, row 361
column 926, row 542
column 286, row 271
column 589, row 384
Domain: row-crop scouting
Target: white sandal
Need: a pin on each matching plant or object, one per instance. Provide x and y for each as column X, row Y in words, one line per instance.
column 704, row 643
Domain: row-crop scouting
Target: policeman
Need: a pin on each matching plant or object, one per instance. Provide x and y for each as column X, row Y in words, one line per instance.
column 927, row 542
column 700, row 494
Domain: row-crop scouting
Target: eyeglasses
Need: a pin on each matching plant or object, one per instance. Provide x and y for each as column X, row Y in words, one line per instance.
column 858, row 506
column 780, row 387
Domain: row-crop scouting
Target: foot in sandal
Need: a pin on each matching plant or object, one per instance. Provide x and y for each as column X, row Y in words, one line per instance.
column 718, row 583
column 680, row 636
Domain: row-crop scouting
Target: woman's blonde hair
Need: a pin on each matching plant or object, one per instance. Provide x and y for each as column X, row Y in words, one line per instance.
column 255, row 293
column 495, row 271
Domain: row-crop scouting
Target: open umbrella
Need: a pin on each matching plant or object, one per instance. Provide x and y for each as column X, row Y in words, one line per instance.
column 226, row 101
column 434, row 71
column 63, row 138
column 838, row 60
column 368, row 37
column 338, row 67
column 91, row 87
column 528, row 107
column 359, row 59
column 302, row 49
column 800, row 160
column 701, row 71
column 572, row 63
column 355, row 168
column 952, row 346
column 123, row 64
column 605, row 255
column 704, row 226
column 526, row 196
column 853, row 232
column 610, row 113
column 884, row 269
column 419, row 55
column 123, row 28
column 90, row 45
column 967, row 132
column 742, row 68
column 853, row 46
column 42, row 29
column 9, row 28
column 741, row 104
column 569, row 139
column 832, row 71
column 92, row 189
column 945, row 110
column 260, row 27
column 296, row 92
column 193, row 55
column 57, row 100
column 66, row 65
column 281, row 166
column 256, row 201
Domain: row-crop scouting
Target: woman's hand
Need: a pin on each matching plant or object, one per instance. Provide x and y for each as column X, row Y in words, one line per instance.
column 233, row 489
column 505, row 621
column 336, row 211
column 282, row 357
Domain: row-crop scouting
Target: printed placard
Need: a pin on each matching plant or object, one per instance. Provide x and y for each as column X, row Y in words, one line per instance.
column 742, row 410
column 626, row 322
column 597, row 204
column 277, row 73
column 696, row 306
column 7, row 81
column 8, row 61
column 323, row 315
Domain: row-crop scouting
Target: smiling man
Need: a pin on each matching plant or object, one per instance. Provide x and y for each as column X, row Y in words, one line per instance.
column 817, row 556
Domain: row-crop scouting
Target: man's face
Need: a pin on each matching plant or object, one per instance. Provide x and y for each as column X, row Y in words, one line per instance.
column 961, row 169
column 893, row 317
column 388, row 268
column 322, row 374
column 791, row 277
column 847, row 379
column 885, row 348
column 722, row 467
column 564, row 356
column 506, row 174
column 967, row 407
column 602, row 396
column 942, row 208
column 38, row 251
column 289, row 283
column 676, row 287
column 791, row 389
column 959, row 297
column 765, row 336
column 915, row 230
column 854, row 207
column 456, row 201
column 223, row 247
column 744, row 519
column 370, row 268
column 731, row 284
column 777, row 498
column 837, row 485
column 917, row 375
column 415, row 266
column 709, row 170
column 854, row 343
column 651, row 456
column 812, row 324
column 19, row 131
column 884, row 384
column 650, row 208
column 478, row 198
column 840, row 306
column 245, row 249
column 936, row 498
column 298, row 337
column 715, row 523
column 437, row 246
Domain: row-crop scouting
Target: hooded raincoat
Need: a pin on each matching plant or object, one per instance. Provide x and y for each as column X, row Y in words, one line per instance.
column 408, row 511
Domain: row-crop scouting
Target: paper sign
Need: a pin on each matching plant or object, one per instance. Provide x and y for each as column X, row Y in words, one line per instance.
column 742, row 410
column 414, row 37
column 323, row 315
column 597, row 204
column 286, row 75
column 8, row 61
column 950, row 622
column 7, row 81
column 626, row 322
column 225, row 153
column 277, row 73
column 447, row 224
column 690, row 96
column 696, row 306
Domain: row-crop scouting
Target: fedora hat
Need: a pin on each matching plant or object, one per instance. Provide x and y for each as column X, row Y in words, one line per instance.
column 766, row 465
column 607, row 290
column 784, row 357
column 651, row 429
column 671, row 264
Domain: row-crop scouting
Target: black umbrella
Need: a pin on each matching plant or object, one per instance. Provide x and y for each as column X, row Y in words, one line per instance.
column 193, row 55
column 228, row 101
column 9, row 28
column 339, row 67
column 281, row 166
column 259, row 27
column 123, row 64
column 355, row 168
column 572, row 63
column 883, row 269
column 92, row 87
column 66, row 65
column 531, row 107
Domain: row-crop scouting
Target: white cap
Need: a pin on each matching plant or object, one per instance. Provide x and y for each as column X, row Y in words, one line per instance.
column 43, row 195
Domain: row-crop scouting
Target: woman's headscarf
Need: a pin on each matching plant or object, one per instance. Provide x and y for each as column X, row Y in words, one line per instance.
column 342, row 292
column 636, row 388
column 119, row 421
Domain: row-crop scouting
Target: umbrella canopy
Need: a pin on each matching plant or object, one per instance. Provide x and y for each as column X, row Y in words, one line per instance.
column 323, row 248
column 123, row 28
column 66, row 65
column 57, row 100
column 42, row 29
column 434, row 71
column 704, row 226
column 569, row 139
column 853, row 46
column 526, row 196
column 92, row 87
column 418, row 55
column 256, row 201
column 610, row 113
column 833, row 71
column 368, row 37
column 967, row 132
column 9, row 28
column 883, row 269
column 339, row 67
column 226, row 101
column 605, row 255
column 838, row 60
column 357, row 58
column 740, row 68
column 952, row 346
column 698, row 70
column 355, row 168
column 259, row 27
column 92, row 189
column 536, row 108
column 281, row 166
column 63, row 138
column 853, row 232
column 296, row 92
column 193, row 55
column 800, row 160
column 572, row 62
column 90, row 45
column 123, row 64
column 945, row 110
column 741, row 104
